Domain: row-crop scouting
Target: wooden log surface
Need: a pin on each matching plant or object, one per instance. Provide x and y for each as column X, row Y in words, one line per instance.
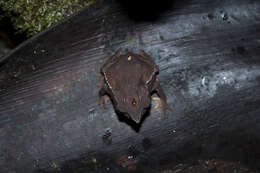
column 208, row 53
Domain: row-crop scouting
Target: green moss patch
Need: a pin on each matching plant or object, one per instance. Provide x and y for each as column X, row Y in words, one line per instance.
column 33, row 16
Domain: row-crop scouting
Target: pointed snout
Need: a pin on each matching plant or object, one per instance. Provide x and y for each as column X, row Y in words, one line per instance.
column 134, row 113
column 136, row 116
column 136, row 119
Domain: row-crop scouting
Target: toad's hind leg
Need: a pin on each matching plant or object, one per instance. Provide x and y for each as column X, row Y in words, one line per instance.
column 162, row 101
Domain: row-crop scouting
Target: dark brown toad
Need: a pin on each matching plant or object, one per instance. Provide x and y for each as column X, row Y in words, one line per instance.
column 129, row 81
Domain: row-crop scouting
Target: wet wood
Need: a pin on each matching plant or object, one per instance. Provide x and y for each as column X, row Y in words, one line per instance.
column 208, row 55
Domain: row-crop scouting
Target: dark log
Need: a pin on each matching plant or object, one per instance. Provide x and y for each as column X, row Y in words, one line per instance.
column 209, row 58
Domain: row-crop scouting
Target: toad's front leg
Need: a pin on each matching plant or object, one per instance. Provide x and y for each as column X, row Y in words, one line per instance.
column 103, row 96
column 162, row 101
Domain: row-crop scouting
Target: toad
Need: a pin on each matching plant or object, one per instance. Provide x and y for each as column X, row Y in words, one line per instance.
column 129, row 81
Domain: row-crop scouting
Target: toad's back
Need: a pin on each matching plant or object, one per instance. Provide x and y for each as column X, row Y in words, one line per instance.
column 129, row 70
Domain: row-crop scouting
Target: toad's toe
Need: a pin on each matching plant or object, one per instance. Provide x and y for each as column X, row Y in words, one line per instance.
column 158, row 103
column 103, row 100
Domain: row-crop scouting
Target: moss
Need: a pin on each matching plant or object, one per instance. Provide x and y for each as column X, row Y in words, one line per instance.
column 17, row 74
column 33, row 16
column 54, row 165
column 33, row 67
column 129, row 39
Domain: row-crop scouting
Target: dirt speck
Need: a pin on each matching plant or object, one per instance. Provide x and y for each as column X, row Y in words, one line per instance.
column 147, row 144
column 127, row 162
column 210, row 16
column 107, row 137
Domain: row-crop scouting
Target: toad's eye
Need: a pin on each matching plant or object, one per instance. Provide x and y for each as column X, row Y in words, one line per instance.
column 134, row 102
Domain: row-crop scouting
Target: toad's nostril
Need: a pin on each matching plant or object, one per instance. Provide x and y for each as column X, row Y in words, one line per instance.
column 134, row 102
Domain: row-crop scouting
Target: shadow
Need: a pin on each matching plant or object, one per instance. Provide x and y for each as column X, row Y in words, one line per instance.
column 8, row 28
column 122, row 117
column 136, row 127
column 146, row 10
column 87, row 162
column 9, row 35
